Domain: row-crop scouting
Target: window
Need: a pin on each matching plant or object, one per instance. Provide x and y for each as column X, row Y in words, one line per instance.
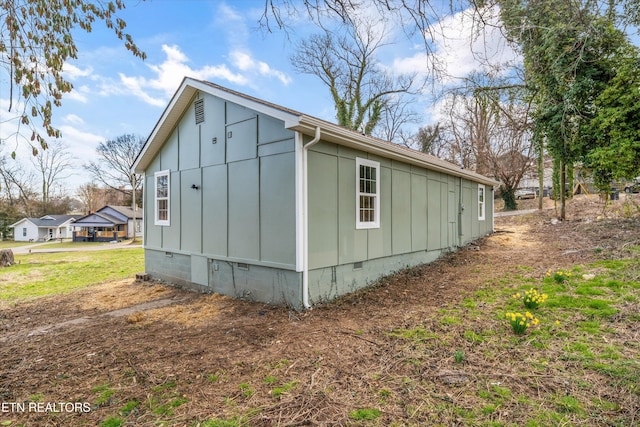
column 24, row 232
column 162, row 191
column 367, row 193
column 480, row 202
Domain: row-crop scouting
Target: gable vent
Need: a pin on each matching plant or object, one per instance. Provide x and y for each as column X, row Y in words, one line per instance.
column 199, row 108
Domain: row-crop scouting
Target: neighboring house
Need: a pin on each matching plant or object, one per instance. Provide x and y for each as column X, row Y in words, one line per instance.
column 44, row 228
column 107, row 224
column 251, row 199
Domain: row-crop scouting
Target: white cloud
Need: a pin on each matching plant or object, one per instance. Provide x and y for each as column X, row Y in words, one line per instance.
column 244, row 62
column 460, row 49
column 168, row 75
column 73, row 119
column 157, row 80
column 73, row 72
column 242, row 70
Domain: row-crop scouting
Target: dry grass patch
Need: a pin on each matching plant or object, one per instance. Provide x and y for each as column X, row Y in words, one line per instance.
column 205, row 309
column 121, row 293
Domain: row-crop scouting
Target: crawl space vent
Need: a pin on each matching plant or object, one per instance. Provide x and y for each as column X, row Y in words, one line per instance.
column 199, row 107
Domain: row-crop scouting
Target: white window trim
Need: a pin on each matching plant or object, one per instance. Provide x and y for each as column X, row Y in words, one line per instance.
column 481, row 203
column 158, row 221
column 376, row 222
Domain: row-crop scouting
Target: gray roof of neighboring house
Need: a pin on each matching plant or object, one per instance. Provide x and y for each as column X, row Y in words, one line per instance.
column 124, row 210
column 98, row 219
column 49, row 220
column 103, row 219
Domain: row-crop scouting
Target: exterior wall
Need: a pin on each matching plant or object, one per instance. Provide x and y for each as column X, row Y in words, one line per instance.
column 240, row 280
column 423, row 214
column 242, row 211
column 131, row 225
column 32, row 232
column 65, row 231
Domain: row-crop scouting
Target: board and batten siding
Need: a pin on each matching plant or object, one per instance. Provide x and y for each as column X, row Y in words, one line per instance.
column 243, row 210
column 423, row 214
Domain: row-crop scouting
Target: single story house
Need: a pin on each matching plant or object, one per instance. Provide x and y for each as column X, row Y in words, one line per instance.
column 45, row 228
column 107, row 224
column 254, row 200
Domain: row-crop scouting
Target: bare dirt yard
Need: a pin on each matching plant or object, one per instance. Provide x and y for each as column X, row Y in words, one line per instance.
column 383, row 356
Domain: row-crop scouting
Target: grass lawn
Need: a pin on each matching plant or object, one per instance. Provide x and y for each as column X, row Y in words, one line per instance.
column 41, row 274
column 8, row 244
column 73, row 245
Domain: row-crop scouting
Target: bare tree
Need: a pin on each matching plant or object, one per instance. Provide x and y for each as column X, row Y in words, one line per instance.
column 412, row 18
column 94, row 196
column 432, row 139
column 396, row 115
column 113, row 168
column 491, row 133
column 17, row 187
column 361, row 90
column 53, row 165
column 90, row 196
column 115, row 159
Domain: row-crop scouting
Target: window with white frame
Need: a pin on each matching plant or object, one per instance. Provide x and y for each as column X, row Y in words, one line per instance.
column 162, row 193
column 481, row 197
column 24, row 231
column 367, row 193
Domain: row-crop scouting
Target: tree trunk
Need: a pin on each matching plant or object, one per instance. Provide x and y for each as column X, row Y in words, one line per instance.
column 563, row 195
column 540, row 175
column 508, row 195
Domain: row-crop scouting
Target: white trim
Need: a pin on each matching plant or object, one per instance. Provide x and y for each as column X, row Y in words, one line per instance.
column 157, row 220
column 300, row 206
column 482, row 203
column 376, row 212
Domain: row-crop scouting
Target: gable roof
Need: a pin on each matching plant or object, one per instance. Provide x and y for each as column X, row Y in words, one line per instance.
column 49, row 220
column 98, row 219
column 126, row 211
column 293, row 120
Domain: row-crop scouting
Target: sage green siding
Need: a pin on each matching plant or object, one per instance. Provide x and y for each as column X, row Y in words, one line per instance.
column 234, row 213
column 277, row 182
column 212, row 135
column 244, row 215
column 420, row 211
column 353, row 243
column 214, row 208
column 191, row 202
column 323, row 209
column 242, row 165
column 400, row 211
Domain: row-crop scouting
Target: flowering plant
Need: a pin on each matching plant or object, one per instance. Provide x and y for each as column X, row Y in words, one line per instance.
column 520, row 322
column 532, row 298
column 559, row 276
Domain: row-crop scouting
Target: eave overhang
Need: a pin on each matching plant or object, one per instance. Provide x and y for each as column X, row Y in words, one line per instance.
column 348, row 138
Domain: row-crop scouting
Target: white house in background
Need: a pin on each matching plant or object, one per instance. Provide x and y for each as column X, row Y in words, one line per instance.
column 44, row 228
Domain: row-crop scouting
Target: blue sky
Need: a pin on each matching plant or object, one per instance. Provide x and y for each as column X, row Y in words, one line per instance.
column 116, row 93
